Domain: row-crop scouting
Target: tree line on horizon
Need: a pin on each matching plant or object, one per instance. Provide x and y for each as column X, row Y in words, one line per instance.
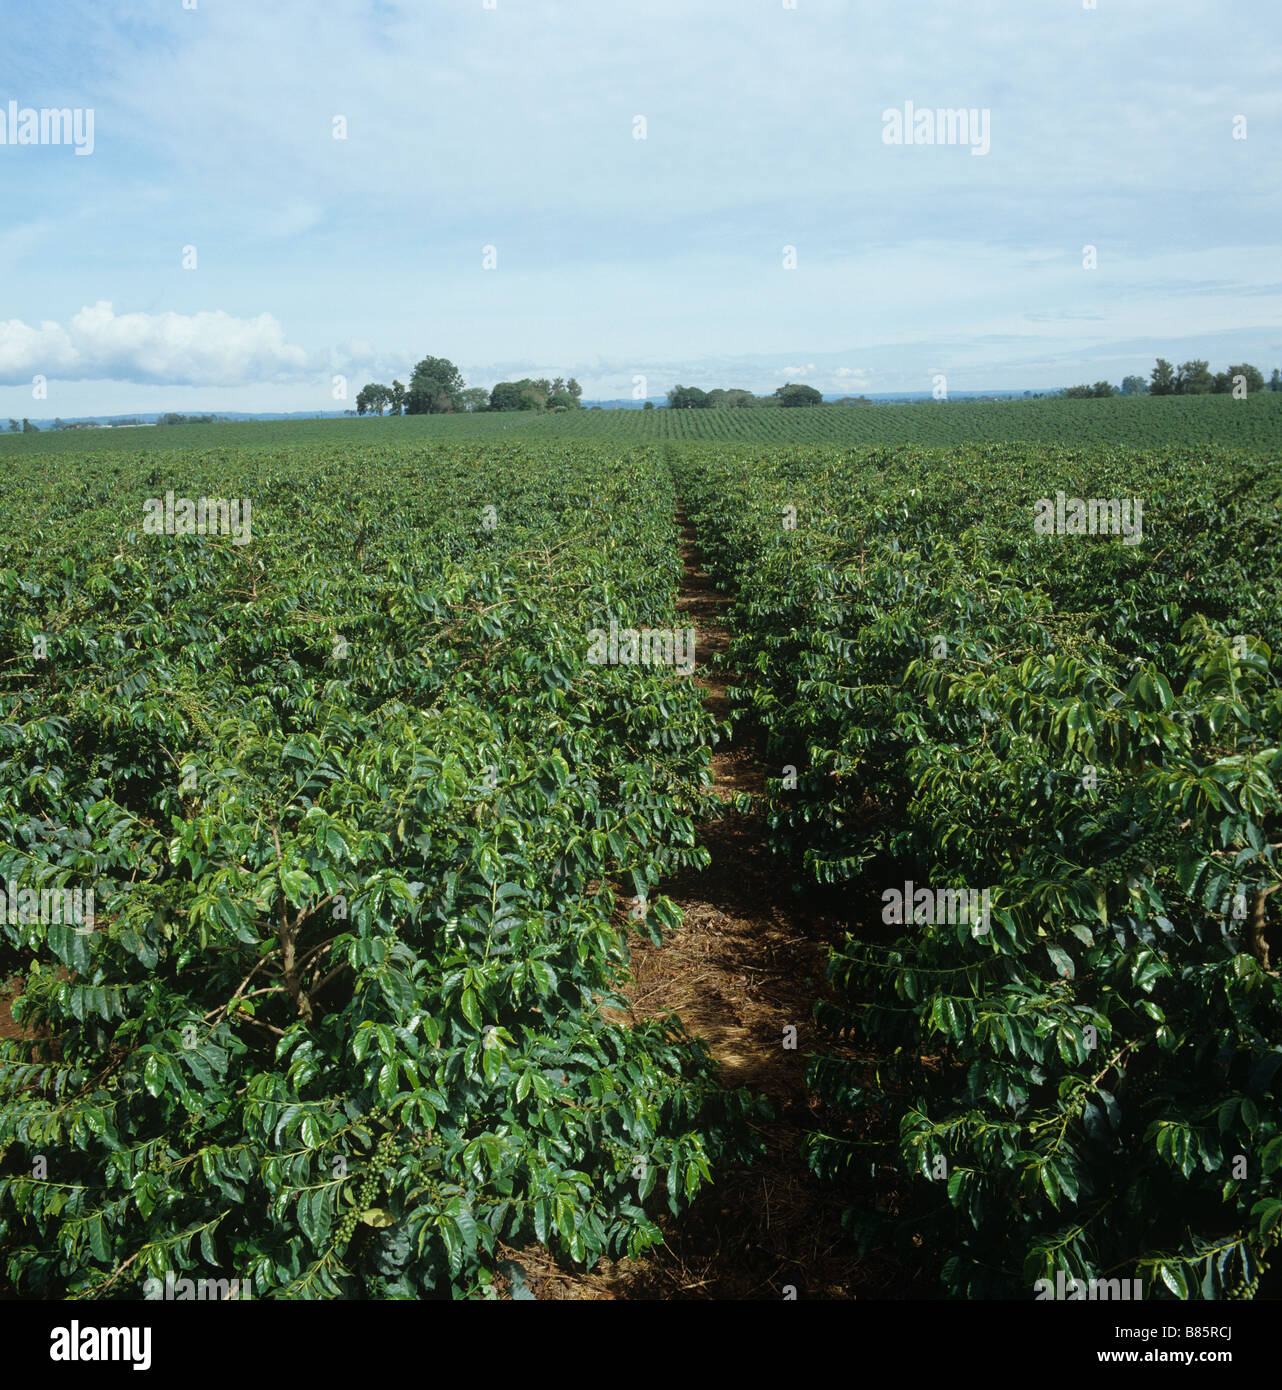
column 436, row 386
column 1193, row 378
column 694, row 398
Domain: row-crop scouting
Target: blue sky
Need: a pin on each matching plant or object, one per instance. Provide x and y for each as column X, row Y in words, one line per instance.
column 513, row 127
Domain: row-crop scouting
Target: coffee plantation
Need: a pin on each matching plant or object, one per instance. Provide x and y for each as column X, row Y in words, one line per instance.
column 370, row 837
column 1095, row 1086
column 355, row 808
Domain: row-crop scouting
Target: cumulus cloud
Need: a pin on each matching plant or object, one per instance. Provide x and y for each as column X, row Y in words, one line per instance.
column 202, row 349
column 791, row 372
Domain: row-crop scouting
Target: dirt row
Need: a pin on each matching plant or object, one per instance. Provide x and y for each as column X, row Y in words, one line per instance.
column 746, row 963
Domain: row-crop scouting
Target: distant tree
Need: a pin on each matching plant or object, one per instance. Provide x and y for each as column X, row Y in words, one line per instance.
column 796, row 394
column 520, row 395
column 1224, row 381
column 15, row 427
column 853, row 400
column 1194, row 378
column 373, row 399
column 687, row 398
column 1275, row 383
column 649, row 405
column 1104, row 388
column 1162, row 380
column 29, row 428
column 536, row 393
column 1132, row 386
column 436, row 387
column 398, row 397
column 476, row 398
column 532, row 393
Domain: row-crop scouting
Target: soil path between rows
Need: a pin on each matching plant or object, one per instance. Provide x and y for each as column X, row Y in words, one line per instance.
column 745, row 964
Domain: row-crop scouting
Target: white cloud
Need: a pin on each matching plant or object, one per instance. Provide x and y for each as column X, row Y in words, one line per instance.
column 202, row 349
column 797, row 371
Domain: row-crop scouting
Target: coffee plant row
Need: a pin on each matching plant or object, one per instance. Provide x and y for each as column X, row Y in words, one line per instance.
column 962, row 688
column 1253, row 424
column 366, row 833
column 1139, row 422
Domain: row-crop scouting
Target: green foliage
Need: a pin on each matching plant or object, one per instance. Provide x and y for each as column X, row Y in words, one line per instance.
column 1088, row 729
column 511, row 395
column 1101, row 389
column 1246, row 376
column 371, row 399
column 1162, row 381
column 734, row 398
column 797, row 395
column 1194, row 378
column 1252, row 425
column 536, row 394
column 358, row 816
column 436, row 387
